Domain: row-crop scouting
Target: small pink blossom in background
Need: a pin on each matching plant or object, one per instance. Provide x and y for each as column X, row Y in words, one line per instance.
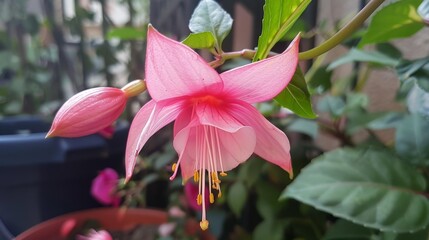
column 166, row 229
column 103, row 187
column 94, row 235
column 191, row 194
column 176, row 212
column 88, row 112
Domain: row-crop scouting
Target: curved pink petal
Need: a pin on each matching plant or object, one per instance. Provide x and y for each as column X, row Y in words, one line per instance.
column 175, row 70
column 217, row 116
column 229, row 149
column 151, row 117
column 263, row 80
column 272, row 144
column 88, row 112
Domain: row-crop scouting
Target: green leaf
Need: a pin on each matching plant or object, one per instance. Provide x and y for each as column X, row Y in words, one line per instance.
column 279, row 17
column 412, row 140
column 209, row 16
column 343, row 229
column 127, row 33
column 308, row 127
column 296, row 96
column 389, row 50
column 267, row 202
column 356, row 55
column 385, row 121
column 420, row 235
column 418, row 101
column 415, row 70
column 237, row 195
column 397, row 20
column 334, row 105
column 319, row 80
column 370, row 187
column 200, row 40
column 270, row 229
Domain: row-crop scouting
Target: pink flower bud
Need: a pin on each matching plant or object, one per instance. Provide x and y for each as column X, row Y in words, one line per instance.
column 88, row 112
column 103, row 187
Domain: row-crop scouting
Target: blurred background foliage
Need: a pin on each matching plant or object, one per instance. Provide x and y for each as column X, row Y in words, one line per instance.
column 48, row 55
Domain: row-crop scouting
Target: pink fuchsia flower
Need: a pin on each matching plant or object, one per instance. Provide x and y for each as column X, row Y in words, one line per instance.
column 216, row 127
column 88, row 112
column 94, row 235
column 103, row 187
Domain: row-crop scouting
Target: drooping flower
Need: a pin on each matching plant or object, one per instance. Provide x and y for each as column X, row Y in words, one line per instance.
column 93, row 110
column 216, row 127
column 103, row 187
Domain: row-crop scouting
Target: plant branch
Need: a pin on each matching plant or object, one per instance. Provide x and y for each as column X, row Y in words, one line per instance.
column 344, row 33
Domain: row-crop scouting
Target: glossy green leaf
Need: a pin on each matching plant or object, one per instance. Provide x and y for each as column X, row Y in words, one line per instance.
column 237, row 196
column 209, row 16
column 296, row 96
column 127, row 33
column 279, row 17
column 412, row 140
column 200, row 40
column 356, row 55
column 397, row 20
column 370, row 187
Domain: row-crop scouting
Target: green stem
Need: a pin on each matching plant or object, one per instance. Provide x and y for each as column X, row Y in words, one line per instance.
column 344, row 33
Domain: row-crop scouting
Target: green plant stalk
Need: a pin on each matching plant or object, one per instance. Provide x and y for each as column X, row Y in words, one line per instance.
column 344, row 33
column 332, row 42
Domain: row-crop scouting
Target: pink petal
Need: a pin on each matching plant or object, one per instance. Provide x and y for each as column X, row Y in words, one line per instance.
column 88, row 112
column 174, row 70
column 263, row 80
column 151, row 117
column 104, row 185
column 272, row 144
column 235, row 147
column 217, row 116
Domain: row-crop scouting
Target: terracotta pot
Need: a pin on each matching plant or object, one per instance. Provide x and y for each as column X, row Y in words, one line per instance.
column 113, row 219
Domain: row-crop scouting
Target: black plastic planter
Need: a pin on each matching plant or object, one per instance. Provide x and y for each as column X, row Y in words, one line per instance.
column 43, row 178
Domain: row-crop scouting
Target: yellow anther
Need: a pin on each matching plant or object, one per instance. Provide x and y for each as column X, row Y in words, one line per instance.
column 219, row 194
column 196, row 177
column 214, row 187
column 211, row 198
column 223, row 174
column 217, row 181
column 204, row 225
column 199, row 199
column 173, row 167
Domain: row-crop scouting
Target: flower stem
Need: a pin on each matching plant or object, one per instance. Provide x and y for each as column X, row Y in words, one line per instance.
column 344, row 33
